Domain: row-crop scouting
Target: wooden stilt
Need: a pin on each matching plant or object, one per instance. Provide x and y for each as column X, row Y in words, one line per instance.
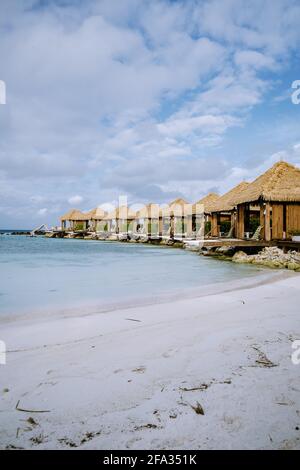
column 268, row 235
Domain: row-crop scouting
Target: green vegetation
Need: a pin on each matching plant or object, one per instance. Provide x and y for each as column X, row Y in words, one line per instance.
column 253, row 224
column 225, row 226
column 207, row 228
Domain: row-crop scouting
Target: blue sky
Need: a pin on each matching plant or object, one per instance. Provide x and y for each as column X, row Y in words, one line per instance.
column 149, row 99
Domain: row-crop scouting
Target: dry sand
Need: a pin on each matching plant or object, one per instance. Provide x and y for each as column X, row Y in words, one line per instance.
column 142, row 377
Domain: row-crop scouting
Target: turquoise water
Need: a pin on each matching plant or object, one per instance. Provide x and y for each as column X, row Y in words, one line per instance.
column 39, row 273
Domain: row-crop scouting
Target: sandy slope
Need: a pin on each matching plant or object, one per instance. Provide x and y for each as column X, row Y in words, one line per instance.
column 109, row 382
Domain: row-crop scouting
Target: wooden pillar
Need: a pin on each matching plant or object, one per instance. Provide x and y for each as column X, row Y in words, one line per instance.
column 172, row 226
column 247, row 218
column 233, row 223
column 182, row 226
column 146, row 226
column 262, row 220
column 189, row 226
column 200, row 227
column 240, row 225
column 160, row 226
column 268, row 235
column 214, row 225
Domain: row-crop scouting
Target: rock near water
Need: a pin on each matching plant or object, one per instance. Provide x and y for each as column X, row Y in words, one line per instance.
column 271, row 257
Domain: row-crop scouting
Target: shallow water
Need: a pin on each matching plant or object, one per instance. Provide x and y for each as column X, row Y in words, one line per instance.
column 39, row 273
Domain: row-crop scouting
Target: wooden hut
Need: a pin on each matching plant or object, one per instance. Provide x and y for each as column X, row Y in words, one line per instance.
column 88, row 217
column 173, row 218
column 201, row 213
column 147, row 220
column 277, row 194
column 224, row 209
column 120, row 220
column 98, row 217
column 73, row 220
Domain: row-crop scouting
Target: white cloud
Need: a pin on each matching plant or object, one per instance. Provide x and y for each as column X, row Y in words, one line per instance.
column 75, row 200
column 199, row 124
column 43, row 211
column 253, row 59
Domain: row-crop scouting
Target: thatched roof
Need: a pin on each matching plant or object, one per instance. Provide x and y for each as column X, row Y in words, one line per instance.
column 175, row 208
column 281, row 183
column 98, row 214
column 73, row 214
column 178, row 202
column 228, row 201
column 207, row 201
column 90, row 214
column 151, row 210
column 122, row 212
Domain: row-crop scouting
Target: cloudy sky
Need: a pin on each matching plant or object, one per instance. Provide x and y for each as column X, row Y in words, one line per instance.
column 150, row 99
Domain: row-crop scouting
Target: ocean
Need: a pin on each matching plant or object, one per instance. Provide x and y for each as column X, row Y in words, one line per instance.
column 44, row 274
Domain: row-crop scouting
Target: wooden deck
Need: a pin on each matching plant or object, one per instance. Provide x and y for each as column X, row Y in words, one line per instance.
column 216, row 242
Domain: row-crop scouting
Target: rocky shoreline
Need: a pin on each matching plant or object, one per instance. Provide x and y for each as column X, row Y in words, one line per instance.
column 271, row 257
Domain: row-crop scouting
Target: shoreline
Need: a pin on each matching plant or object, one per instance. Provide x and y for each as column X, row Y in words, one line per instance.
column 130, row 379
column 260, row 276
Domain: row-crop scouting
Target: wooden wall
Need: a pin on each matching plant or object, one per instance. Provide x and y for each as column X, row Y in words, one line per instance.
column 277, row 221
column 292, row 218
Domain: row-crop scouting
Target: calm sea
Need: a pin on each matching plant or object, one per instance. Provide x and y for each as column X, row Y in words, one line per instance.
column 39, row 273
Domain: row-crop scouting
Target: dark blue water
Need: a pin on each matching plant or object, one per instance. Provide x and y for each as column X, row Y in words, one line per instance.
column 39, row 273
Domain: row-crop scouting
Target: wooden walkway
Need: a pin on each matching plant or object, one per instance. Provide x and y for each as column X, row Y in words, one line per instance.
column 211, row 242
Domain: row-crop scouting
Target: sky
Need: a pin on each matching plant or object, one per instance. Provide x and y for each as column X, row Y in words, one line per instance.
column 150, row 99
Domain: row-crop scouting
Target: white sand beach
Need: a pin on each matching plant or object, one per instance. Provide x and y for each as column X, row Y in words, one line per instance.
column 134, row 378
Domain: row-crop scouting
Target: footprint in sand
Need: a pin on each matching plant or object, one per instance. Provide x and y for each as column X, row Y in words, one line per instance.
column 233, row 423
column 139, row 369
column 169, row 353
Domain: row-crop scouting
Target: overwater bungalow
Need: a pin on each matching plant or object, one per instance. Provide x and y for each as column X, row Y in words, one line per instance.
column 98, row 219
column 88, row 217
column 120, row 220
column 201, row 213
column 147, row 220
column 173, row 219
column 225, row 209
column 73, row 220
column 276, row 193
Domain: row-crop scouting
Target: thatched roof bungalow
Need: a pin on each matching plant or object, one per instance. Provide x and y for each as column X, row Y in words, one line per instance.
column 277, row 193
column 173, row 218
column 207, row 202
column 97, row 217
column 201, row 213
column 75, row 218
column 147, row 219
column 119, row 219
column 226, row 206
